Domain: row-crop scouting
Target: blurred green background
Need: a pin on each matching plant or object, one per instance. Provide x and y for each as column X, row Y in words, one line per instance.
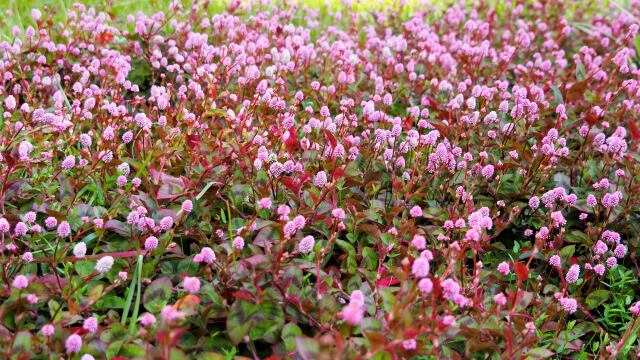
column 18, row 12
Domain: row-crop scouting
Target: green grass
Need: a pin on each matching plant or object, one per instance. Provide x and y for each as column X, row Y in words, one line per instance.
column 20, row 15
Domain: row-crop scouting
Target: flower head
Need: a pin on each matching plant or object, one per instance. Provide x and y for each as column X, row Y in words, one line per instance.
column 104, row 264
column 20, row 282
column 191, row 284
column 73, row 343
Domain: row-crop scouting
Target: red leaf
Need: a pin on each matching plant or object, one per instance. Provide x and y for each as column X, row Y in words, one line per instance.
column 633, row 127
column 290, row 184
column 331, row 138
column 292, row 142
column 104, row 38
column 303, row 179
column 194, row 140
column 521, row 271
column 411, row 332
column 337, row 173
column 388, row 281
column 243, row 295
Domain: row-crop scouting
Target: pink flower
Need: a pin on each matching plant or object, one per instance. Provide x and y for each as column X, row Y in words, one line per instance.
column 306, row 244
column 98, row 223
column 573, row 274
column 338, row 213
column 353, row 313
column 419, row 242
column 187, row 206
column 79, row 250
column 30, row 217
column 569, row 305
column 503, row 268
column 48, row 330
column 64, row 229
column 90, row 324
column 20, row 282
column 127, row 137
column 10, row 102
column 555, row 261
column 20, row 229
column 487, row 171
column 73, row 343
column 599, row 269
column 558, row 219
column 36, row 14
column 620, row 251
column 534, row 202
column 121, row 180
column 425, row 285
column 321, row 179
column 409, row 344
column 500, row 299
column 191, row 284
column 264, row 203
column 166, row 223
column 450, row 289
column 69, row 162
column 147, row 319
column 420, row 267
column 104, row 264
column 151, row 243
column 635, row 309
column 206, row 255
column 4, row 225
column 169, row 313
column 415, row 211
column 238, row 243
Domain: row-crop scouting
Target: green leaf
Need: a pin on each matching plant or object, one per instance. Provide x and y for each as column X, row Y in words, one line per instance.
column 177, row 354
column 577, row 237
column 157, row 294
column 567, row 251
column 239, row 320
column 289, row 333
column 307, row 348
column 84, row 268
column 581, row 329
column 268, row 322
column 260, row 322
column 382, row 355
column 22, row 342
column 110, row 301
column 596, row 298
column 114, row 349
column 370, row 258
column 132, row 351
column 539, row 353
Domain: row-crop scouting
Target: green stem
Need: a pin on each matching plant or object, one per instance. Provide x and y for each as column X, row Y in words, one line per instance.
column 127, row 306
column 136, row 308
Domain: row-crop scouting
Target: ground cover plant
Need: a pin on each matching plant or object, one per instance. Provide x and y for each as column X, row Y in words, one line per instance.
column 273, row 180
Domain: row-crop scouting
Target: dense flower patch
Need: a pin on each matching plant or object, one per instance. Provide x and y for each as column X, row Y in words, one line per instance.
column 289, row 182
